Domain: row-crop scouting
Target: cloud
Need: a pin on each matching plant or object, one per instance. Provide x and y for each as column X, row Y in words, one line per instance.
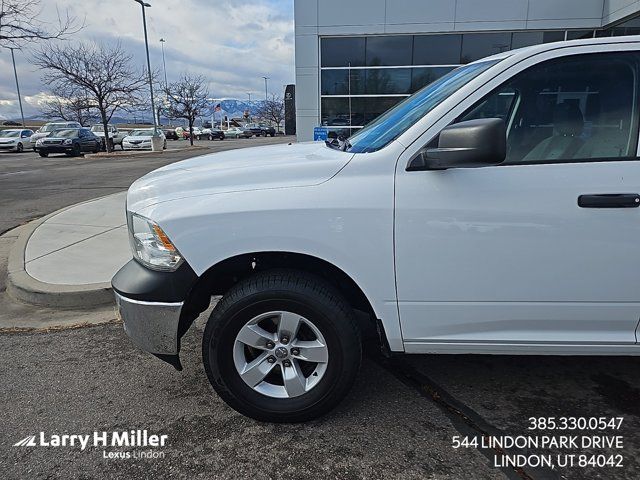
column 233, row 44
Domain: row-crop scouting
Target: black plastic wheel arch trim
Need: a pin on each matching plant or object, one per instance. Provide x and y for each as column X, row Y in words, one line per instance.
column 138, row 282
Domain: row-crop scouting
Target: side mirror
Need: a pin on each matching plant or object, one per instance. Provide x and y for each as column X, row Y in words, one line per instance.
column 470, row 144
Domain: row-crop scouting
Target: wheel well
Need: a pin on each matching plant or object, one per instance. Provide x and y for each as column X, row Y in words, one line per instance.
column 222, row 276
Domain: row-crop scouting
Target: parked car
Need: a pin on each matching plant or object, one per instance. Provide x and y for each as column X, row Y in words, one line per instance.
column 237, row 132
column 170, row 134
column 71, row 141
column 15, row 140
column 47, row 128
column 267, row 130
column 215, row 133
column 141, row 139
column 115, row 135
column 11, row 123
column 503, row 199
column 254, row 128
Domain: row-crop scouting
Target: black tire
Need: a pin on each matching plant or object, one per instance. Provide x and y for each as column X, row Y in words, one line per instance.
column 293, row 291
column 210, row 138
column 273, row 135
column 199, row 137
column 96, row 149
column 43, row 154
column 19, row 148
column 77, row 150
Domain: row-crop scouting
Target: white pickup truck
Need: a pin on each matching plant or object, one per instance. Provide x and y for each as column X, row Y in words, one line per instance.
column 115, row 135
column 493, row 212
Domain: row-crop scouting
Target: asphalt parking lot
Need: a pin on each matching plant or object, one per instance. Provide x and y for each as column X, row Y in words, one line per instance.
column 31, row 186
column 399, row 421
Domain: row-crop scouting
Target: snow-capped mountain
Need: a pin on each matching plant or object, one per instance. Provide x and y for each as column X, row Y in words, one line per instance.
column 234, row 108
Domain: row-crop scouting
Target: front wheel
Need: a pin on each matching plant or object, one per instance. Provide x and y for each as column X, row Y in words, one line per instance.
column 282, row 346
column 77, row 150
column 43, row 154
column 19, row 148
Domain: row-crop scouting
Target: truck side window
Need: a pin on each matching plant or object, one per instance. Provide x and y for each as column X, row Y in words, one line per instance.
column 571, row 109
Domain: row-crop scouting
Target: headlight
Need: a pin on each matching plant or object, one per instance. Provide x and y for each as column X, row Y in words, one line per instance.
column 150, row 244
column 68, row 141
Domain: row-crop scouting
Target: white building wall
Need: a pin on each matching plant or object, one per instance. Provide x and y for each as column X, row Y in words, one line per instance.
column 316, row 18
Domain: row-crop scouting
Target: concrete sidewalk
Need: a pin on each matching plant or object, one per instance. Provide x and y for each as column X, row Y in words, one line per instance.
column 68, row 258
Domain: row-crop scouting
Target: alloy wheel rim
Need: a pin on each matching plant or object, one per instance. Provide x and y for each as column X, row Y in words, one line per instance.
column 280, row 354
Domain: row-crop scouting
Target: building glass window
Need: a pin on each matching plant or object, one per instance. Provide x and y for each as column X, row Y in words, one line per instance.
column 388, row 81
column 578, row 34
column 389, row 51
column 340, row 52
column 335, row 111
column 437, row 49
column 361, row 77
column 343, row 82
column 479, row 45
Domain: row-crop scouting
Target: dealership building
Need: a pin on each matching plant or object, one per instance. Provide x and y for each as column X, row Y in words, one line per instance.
column 357, row 58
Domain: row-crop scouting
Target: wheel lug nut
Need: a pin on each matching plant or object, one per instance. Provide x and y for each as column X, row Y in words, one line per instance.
column 286, row 363
column 295, row 351
column 284, row 340
column 271, row 359
column 270, row 345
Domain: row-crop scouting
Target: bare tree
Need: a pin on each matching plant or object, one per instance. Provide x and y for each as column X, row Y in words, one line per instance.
column 273, row 110
column 71, row 110
column 187, row 98
column 19, row 23
column 64, row 105
column 102, row 75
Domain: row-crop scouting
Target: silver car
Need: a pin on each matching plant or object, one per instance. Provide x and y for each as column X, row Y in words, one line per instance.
column 15, row 140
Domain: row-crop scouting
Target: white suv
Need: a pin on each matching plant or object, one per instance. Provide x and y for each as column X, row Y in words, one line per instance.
column 495, row 211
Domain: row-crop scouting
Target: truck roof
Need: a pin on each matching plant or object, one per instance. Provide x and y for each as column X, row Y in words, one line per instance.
column 545, row 47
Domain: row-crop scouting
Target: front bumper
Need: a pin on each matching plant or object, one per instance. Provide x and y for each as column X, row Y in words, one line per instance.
column 8, row 146
column 152, row 326
column 150, row 304
column 138, row 146
column 54, row 149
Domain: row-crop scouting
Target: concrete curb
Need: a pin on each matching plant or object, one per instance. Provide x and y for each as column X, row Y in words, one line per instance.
column 133, row 153
column 23, row 287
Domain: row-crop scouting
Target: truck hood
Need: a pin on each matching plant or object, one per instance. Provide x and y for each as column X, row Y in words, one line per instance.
column 259, row 168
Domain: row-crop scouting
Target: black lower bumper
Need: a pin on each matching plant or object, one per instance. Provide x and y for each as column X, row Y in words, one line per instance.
column 151, row 303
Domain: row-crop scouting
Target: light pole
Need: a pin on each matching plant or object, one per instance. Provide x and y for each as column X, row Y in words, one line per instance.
column 164, row 64
column 265, row 89
column 146, row 43
column 249, row 93
column 15, row 73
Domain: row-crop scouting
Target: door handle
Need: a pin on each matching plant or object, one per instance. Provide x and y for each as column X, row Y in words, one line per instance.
column 610, row 200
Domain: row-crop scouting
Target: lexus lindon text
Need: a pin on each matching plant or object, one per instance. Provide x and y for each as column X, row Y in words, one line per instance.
column 493, row 212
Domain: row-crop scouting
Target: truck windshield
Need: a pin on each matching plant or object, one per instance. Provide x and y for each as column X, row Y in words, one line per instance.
column 390, row 125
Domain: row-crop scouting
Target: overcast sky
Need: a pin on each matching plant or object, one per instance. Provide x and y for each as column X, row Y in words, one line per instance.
column 232, row 43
